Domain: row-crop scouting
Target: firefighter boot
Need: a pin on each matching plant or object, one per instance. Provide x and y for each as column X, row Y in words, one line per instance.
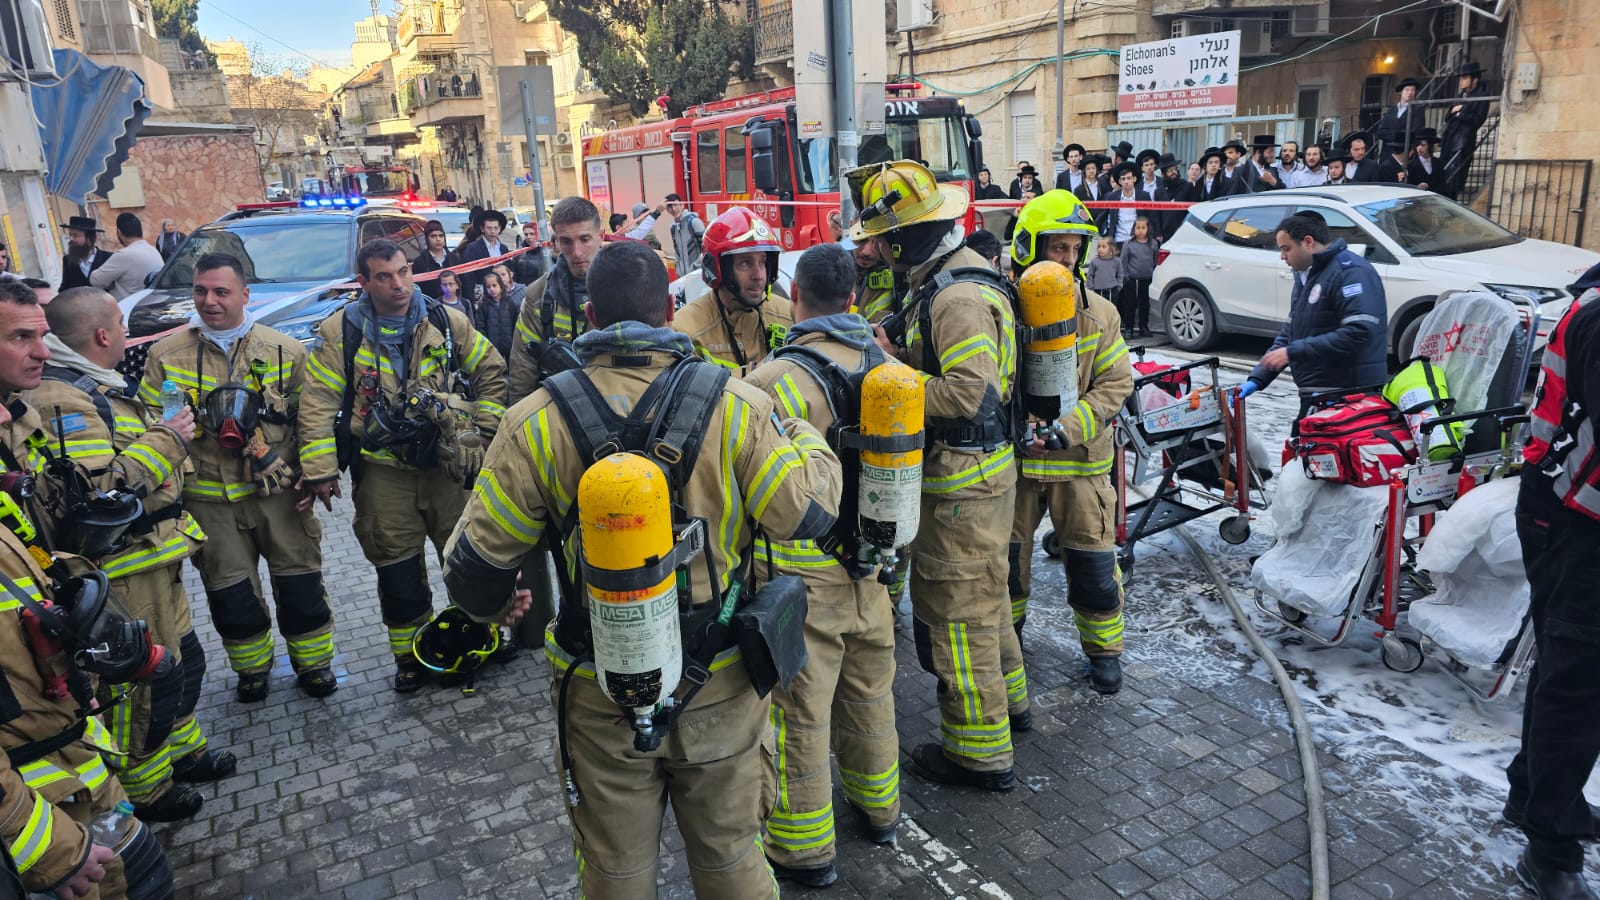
column 205, row 766
column 930, row 762
column 175, row 804
column 1105, row 674
column 805, row 876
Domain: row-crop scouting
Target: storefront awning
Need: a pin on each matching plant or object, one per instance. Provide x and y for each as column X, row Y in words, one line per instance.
column 88, row 121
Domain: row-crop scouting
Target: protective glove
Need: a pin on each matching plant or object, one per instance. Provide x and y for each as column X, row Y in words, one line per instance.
column 462, row 466
column 1246, row 389
column 266, row 468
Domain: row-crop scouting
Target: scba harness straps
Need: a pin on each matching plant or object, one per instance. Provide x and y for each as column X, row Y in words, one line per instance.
column 997, row 422
column 843, row 392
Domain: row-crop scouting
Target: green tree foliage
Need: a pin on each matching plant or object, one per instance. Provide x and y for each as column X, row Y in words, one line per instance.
column 176, row 19
column 638, row 50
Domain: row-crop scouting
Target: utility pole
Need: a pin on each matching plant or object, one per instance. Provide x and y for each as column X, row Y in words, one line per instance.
column 844, row 99
column 1059, row 154
column 533, row 169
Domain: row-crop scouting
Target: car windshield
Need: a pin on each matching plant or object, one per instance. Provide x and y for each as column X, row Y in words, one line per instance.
column 454, row 220
column 1429, row 225
column 287, row 250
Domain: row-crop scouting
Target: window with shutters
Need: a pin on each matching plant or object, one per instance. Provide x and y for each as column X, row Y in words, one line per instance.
column 64, row 24
column 1024, row 127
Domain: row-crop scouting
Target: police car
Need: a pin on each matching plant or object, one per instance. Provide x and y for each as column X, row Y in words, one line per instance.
column 298, row 257
column 1221, row 272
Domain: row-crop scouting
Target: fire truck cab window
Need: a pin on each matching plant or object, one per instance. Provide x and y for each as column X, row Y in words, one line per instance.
column 733, row 143
column 939, row 143
column 708, row 162
column 814, row 162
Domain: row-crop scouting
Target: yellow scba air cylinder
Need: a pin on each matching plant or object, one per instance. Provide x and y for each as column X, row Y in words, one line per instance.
column 891, row 481
column 1048, row 299
column 625, row 518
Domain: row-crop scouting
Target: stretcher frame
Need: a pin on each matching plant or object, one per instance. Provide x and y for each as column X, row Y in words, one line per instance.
column 1176, row 439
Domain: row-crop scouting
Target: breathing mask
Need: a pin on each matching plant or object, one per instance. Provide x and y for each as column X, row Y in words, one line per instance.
column 230, row 414
column 96, row 522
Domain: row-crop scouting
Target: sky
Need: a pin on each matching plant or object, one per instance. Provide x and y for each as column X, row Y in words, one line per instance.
column 321, row 29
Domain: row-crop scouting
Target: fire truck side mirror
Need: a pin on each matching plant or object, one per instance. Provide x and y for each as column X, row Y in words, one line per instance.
column 763, row 162
column 974, row 127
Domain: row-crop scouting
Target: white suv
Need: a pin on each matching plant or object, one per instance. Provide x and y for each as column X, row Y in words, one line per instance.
column 1221, row 273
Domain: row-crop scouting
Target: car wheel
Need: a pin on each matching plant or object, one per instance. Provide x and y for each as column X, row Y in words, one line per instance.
column 1405, row 344
column 1190, row 319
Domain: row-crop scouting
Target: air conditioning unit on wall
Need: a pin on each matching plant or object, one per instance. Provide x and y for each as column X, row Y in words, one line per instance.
column 564, row 160
column 911, row 15
column 563, row 139
column 25, row 40
column 1309, row 21
column 1255, row 37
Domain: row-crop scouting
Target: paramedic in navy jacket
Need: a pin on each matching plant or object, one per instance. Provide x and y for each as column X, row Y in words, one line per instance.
column 1338, row 317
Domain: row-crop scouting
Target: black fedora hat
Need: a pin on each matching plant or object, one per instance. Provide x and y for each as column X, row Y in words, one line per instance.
column 1072, row 147
column 84, row 223
column 1147, row 154
column 1407, row 82
column 1264, row 142
column 1123, row 168
column 1124, row 149
column 1238, row 145
column 1363, row 136
column 1027, row 170
column 1099, row 159
column 1167, row 161
column 1210, row 152
column 1430, row 135
column 488, row 214
column 1470, row 67
column 1338, row 154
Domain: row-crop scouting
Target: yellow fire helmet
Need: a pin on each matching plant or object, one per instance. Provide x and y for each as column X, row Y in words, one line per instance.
column 895, row 194
column 1053, row 212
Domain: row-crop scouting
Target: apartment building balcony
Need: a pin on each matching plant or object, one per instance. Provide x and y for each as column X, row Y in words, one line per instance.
column 1235, row 7
column 442, row 97
column 390, row 128
column 774, row 31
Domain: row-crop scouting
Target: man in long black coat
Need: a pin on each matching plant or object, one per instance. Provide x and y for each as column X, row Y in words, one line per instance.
column 1461, row 124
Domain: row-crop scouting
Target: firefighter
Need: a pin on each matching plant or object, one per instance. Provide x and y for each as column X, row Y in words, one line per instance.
column 1073, row 483
column 246, row 378
column 749, row 469
column 407, row 395
column 53, row 779
column 741, row 319
column 962, row 337
column 553, row 305
column 876, row 293
column 850, row 620
column 93, row 417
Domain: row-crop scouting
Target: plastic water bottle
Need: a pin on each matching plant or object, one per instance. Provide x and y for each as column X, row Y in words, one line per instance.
column 172, row 399
column 114, row 827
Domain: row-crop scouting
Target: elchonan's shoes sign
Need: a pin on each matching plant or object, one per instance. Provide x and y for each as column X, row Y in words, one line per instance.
column 1180, row 78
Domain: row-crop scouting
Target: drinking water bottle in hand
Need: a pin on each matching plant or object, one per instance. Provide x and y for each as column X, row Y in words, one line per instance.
column 114, row 827
column 172, row 399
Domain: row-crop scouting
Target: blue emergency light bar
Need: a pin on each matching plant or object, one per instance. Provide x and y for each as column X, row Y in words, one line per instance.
column 335, row 201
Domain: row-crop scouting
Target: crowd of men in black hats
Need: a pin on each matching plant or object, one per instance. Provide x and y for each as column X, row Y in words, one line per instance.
column 1398, row 149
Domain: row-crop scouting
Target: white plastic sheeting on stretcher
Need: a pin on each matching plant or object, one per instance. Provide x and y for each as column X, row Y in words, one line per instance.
column 1326, row 535
column 1475, row 562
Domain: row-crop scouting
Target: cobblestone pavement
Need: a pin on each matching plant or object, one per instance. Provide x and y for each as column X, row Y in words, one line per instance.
column 1186, row 784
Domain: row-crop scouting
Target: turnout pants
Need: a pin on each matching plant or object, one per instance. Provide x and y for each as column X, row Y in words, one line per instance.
column 238, row 536
column 1560, row 736
column 397, row 512
column 958, row 605
column 157, row 597
column 1083, row 512
column 709, row 768
column 843, row 699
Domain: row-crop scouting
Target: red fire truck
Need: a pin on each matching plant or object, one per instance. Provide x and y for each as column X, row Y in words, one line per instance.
column 753, row 151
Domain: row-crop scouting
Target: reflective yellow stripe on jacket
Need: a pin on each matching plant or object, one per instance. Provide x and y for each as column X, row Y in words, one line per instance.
column 145, row 557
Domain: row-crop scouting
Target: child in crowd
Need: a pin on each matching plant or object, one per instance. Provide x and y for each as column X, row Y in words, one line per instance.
column 1105, row 272
column 1138, row 267
column 450, row 293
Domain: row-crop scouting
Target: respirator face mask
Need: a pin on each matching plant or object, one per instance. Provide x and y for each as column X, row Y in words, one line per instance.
column 230, row 414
